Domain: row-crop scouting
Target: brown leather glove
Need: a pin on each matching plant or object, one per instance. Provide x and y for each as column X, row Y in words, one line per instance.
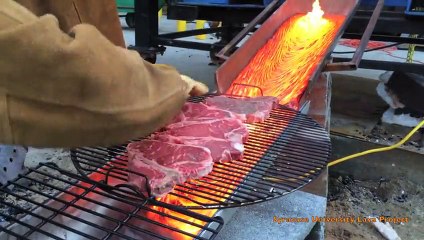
column 195, row 88
column 77, row 89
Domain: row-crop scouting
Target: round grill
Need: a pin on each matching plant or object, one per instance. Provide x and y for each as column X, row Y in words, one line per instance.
column 282, row 154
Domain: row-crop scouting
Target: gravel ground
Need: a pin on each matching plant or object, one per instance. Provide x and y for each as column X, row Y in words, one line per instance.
column 396, row 197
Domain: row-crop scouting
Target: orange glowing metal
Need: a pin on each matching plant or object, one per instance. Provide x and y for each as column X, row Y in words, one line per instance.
column 221, row 193
column 284, row 65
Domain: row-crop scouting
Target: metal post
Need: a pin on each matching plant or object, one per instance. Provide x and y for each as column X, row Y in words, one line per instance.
column 146, row 24
column 411, row 49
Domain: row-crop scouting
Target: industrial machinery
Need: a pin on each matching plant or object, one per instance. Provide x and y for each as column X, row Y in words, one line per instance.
column 398, row 16
column 148, row 41
column 126, row 7
column 287, row 153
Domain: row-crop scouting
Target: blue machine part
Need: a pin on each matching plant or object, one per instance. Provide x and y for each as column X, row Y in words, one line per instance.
column 225, row 2
column 412, row 4
column 387, row 3
column 266, row 2
column 206, row 2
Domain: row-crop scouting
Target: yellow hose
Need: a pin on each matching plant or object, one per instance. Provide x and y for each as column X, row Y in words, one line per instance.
column 407, row 137
column 378, row 149
column 411, row 49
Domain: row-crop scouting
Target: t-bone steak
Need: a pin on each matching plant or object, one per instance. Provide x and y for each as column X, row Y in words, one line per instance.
column 200, row 111
column 227, row 128
column 222, row 150
column 166, row 164
column 254, row 110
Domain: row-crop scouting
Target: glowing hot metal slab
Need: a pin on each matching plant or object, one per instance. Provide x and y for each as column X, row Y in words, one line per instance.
column 287, row 52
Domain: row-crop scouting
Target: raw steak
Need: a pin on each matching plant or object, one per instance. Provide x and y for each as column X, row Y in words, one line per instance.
column 222, row 150
column 231, row 129
column 252, row 109
column 166, row 164
column 200, row 111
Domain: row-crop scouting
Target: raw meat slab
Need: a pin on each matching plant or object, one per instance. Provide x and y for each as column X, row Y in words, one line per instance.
column 254, row 110
column 222, row 150
column 200, row 111
column 231, row 129
column 166, row 164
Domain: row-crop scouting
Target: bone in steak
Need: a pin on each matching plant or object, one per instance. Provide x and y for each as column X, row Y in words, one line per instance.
column 166, row 164
column 200, row 111
column 227, row 128
column 252, row 109
column 222, row 150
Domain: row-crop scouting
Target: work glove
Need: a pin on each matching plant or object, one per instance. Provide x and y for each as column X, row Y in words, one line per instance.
column 195, row 88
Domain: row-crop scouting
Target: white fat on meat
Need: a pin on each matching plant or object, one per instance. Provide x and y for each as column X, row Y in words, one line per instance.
column 254, row 110
column 166, row 164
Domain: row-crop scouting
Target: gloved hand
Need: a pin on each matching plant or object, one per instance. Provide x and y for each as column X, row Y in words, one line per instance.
column 195, row 88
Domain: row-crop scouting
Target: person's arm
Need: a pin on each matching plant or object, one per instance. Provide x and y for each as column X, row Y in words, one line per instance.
column 77, row 89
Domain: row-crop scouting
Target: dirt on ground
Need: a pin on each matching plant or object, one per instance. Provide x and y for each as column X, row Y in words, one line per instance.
column 387, row 134
column 397, row 197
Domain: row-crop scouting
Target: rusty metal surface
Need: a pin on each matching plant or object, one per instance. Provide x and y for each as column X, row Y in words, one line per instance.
column 320, row 111
column 230, row 69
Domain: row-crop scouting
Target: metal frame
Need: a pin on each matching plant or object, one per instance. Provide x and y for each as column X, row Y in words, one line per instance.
column 148, row 41
column 261, row 17
column 389, row 25
column 357, row 56
column 79, row 208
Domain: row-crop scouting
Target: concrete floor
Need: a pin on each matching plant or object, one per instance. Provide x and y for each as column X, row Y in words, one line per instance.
column 193, row 63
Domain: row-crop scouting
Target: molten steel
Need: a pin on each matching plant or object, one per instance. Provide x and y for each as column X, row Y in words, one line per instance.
column 284, row 65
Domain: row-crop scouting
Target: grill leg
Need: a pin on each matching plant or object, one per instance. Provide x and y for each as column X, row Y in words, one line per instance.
column 12, row 160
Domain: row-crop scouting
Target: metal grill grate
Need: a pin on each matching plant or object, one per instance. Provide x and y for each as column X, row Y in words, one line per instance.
column 282, row 154
column 50, row 203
